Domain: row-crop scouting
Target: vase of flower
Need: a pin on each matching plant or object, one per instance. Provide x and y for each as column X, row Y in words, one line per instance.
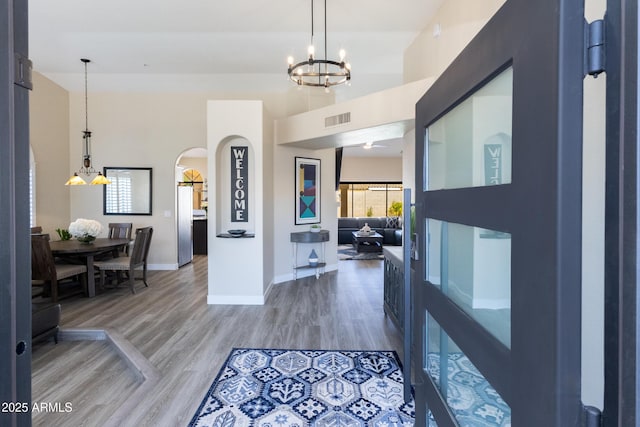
column 86, row 239
column 85, row 230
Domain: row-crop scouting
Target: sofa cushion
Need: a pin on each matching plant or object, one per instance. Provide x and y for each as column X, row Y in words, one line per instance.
column 348, row 223
column 393, row 222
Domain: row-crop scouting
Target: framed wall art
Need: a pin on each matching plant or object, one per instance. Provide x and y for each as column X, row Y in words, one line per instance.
column 307, row 191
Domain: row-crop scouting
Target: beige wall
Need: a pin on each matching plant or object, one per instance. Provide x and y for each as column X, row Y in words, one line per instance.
column 459, row 21
column 371, row 169
column 49, row 136
column 144, row 130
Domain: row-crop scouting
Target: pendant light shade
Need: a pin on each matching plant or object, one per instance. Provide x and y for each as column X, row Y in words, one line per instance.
column 100, row 180
column 86, row 168
column 75, row 180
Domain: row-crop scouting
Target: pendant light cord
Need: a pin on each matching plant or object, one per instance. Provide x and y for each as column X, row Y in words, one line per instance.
column 325, row 35
column 86, row 101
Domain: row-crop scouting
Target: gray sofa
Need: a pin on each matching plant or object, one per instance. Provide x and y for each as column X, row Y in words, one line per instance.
column 389, row 227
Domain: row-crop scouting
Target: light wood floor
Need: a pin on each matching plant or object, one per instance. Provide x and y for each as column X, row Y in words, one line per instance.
column 187, row 340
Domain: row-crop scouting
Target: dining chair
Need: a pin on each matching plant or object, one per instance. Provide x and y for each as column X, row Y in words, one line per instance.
column 121, row 230
column 45, row 271
column 129, row 264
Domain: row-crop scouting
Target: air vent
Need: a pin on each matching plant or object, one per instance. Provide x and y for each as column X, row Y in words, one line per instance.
column 340, row 119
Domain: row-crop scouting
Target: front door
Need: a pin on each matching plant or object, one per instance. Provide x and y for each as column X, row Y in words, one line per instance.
column 15, row 283
column 498, row 207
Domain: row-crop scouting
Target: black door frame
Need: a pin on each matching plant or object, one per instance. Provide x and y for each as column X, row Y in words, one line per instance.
column 622, row 248
column 15, row 251
column 541, row 208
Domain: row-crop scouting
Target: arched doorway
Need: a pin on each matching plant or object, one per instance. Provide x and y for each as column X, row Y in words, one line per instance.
column 192, row 204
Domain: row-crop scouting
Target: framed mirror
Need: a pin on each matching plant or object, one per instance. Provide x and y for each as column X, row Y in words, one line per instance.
column 130, row 191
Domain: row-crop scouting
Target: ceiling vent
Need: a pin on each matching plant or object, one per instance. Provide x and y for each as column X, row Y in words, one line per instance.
column 340, row 119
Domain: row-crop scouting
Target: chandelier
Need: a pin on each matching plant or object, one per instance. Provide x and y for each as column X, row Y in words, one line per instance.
column 319, row 72
column 86, row 168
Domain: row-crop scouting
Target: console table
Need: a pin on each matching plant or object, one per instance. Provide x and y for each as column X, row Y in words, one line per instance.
column 309, row 237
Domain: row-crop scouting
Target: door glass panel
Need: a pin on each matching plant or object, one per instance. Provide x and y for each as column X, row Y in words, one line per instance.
column 472, row 267
column 472, row 400
column 470, row 146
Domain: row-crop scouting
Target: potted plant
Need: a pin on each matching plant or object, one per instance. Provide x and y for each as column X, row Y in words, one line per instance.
column 315, row 228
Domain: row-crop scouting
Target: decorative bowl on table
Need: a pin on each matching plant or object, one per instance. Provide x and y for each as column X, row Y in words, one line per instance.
column 236, row 233
column 315, row 228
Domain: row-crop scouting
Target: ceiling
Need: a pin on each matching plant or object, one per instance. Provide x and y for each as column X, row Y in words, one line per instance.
column 171, row 45
column 234, row 46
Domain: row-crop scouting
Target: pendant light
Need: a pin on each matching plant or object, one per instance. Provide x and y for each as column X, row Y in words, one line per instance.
column 319, row 72
column 86, row 167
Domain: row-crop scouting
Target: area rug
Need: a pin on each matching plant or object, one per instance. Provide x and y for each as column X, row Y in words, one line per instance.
column 297, row 388
column 347, row 252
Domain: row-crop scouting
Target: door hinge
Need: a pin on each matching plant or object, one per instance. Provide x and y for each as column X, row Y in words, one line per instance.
column 591, row 416
column 22, row 71
column 595, row 47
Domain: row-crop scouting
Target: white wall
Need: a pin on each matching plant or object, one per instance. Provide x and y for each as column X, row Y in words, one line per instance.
column 284, row 198
column 268, row 190
column 371, row 169
column 236, row 265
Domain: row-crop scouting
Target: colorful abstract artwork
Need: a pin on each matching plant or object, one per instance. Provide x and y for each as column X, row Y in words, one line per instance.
column 307, row 191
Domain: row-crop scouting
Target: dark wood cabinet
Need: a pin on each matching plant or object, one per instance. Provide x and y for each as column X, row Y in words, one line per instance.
column 200, row 236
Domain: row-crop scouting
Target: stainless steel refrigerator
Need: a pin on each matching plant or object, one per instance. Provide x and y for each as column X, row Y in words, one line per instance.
column 185, row 228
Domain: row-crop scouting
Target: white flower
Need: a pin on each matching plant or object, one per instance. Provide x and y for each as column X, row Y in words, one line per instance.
column 85, row 227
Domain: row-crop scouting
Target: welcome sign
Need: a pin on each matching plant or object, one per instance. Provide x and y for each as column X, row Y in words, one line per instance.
column 239, row 184
column 492, row 164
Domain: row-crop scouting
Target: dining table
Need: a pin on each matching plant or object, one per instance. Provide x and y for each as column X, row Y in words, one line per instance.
column 76, row 251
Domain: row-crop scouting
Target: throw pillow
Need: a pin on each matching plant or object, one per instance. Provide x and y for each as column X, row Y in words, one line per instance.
column 392, row 222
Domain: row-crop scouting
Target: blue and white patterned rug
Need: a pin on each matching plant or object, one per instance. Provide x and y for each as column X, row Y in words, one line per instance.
column 296, row 388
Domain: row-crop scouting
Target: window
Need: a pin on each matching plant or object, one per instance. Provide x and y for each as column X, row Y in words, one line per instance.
column 370, row 199
column 119, row 197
